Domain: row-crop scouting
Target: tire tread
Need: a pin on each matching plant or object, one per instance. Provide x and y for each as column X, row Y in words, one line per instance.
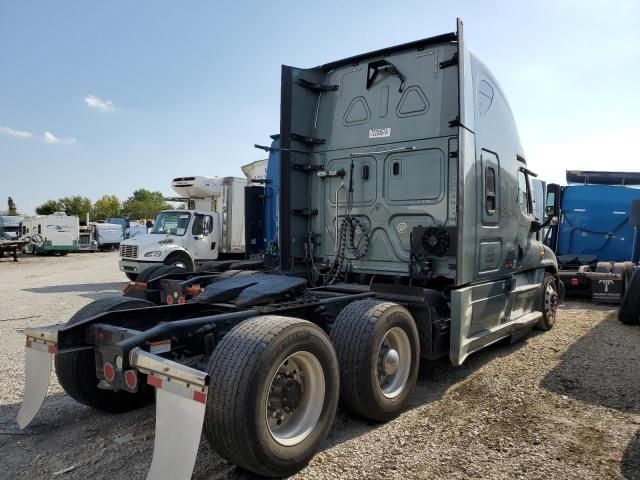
column 227, row 404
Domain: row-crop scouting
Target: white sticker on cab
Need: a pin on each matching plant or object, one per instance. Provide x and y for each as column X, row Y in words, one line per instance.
column 379, row 132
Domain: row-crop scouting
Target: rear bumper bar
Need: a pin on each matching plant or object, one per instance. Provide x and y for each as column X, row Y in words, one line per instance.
column 154, row 365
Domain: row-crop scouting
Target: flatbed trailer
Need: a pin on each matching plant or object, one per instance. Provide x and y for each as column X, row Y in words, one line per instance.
column 12, row 247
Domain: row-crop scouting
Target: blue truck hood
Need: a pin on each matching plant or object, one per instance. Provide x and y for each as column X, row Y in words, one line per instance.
column 595, row 221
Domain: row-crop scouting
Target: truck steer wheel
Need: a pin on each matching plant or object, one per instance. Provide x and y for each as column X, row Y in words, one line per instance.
column 378, row 352
column 273, row 394
column 550, row 300
column 180, row 260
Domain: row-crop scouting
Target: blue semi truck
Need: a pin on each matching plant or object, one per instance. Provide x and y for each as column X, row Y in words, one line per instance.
column 596, row 239
column 262, row 223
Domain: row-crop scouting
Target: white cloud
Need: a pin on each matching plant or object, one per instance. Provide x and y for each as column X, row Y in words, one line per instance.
column 103, row 105
column 49, row 137
column 15, row 133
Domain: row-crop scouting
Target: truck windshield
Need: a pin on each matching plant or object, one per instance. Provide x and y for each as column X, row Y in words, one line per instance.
column 174, row 223
column 118, row 221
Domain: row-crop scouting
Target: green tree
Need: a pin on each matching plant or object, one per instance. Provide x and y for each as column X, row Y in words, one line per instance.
column 144, row 204
column 105, row 207
column 12, row 211
column 76, row 205
column 48, row 207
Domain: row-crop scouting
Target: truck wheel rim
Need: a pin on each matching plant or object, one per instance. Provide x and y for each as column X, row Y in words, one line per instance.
column 295, row 398
column 394, row 362
column 550, row 303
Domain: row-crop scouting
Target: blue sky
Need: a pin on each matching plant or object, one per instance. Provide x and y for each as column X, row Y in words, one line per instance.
column 106, row 97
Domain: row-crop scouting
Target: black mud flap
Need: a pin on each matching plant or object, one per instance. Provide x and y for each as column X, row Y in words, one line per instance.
column 605, row 289
column 250, row 290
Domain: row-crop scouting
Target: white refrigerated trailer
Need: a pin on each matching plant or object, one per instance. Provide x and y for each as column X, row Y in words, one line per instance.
column 211, row 228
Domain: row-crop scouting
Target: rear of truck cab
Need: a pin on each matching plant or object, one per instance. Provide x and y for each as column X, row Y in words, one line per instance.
column 413, row 149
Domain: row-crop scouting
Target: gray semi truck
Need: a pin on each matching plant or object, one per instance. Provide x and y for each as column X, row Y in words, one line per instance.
column 406, row 232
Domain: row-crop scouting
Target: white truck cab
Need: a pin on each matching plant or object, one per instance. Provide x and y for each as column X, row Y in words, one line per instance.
column 212, row 228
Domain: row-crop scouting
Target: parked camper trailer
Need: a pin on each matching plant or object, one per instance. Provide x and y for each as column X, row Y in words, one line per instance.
column 57, row 233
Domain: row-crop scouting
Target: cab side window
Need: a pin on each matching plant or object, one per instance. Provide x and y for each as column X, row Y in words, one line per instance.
column 524, row 194
column 490, row 189
column 202, row 225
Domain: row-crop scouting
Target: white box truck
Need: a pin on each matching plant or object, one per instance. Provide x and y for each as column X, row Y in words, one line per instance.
column 10, row 227
column 46, row 234
column 211, row 228
column 100, row 236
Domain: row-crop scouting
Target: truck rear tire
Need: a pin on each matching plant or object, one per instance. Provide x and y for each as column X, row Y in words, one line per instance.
column 550, row 300
column 76, row 371
column 180, row 259
column 273, row 394
column 629, row 311
column 378, row 351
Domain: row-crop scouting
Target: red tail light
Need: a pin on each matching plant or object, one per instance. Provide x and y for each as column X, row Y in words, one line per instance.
column 131, row 379
column 109, row 372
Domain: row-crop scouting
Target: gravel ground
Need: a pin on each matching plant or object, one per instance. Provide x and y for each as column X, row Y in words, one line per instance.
column 564, row 404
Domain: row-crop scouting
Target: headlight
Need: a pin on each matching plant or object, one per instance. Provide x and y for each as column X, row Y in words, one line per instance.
column 153, row 253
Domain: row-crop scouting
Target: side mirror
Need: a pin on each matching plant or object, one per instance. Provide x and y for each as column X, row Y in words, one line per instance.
column 552, row 204
column 536, row 226
column 635, row 213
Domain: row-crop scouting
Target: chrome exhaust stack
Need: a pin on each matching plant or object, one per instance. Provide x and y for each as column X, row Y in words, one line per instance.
column 41, row 346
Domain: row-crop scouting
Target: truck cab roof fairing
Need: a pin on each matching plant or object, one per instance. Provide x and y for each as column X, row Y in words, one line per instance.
column 493, row 117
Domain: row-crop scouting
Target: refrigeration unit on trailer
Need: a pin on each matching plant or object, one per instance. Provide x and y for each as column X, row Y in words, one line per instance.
column 396, row 169
column 56, row 233
column 596, row 239
column 212, row 227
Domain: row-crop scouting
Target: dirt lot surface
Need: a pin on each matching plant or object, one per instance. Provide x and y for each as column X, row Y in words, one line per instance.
column 564, row 404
